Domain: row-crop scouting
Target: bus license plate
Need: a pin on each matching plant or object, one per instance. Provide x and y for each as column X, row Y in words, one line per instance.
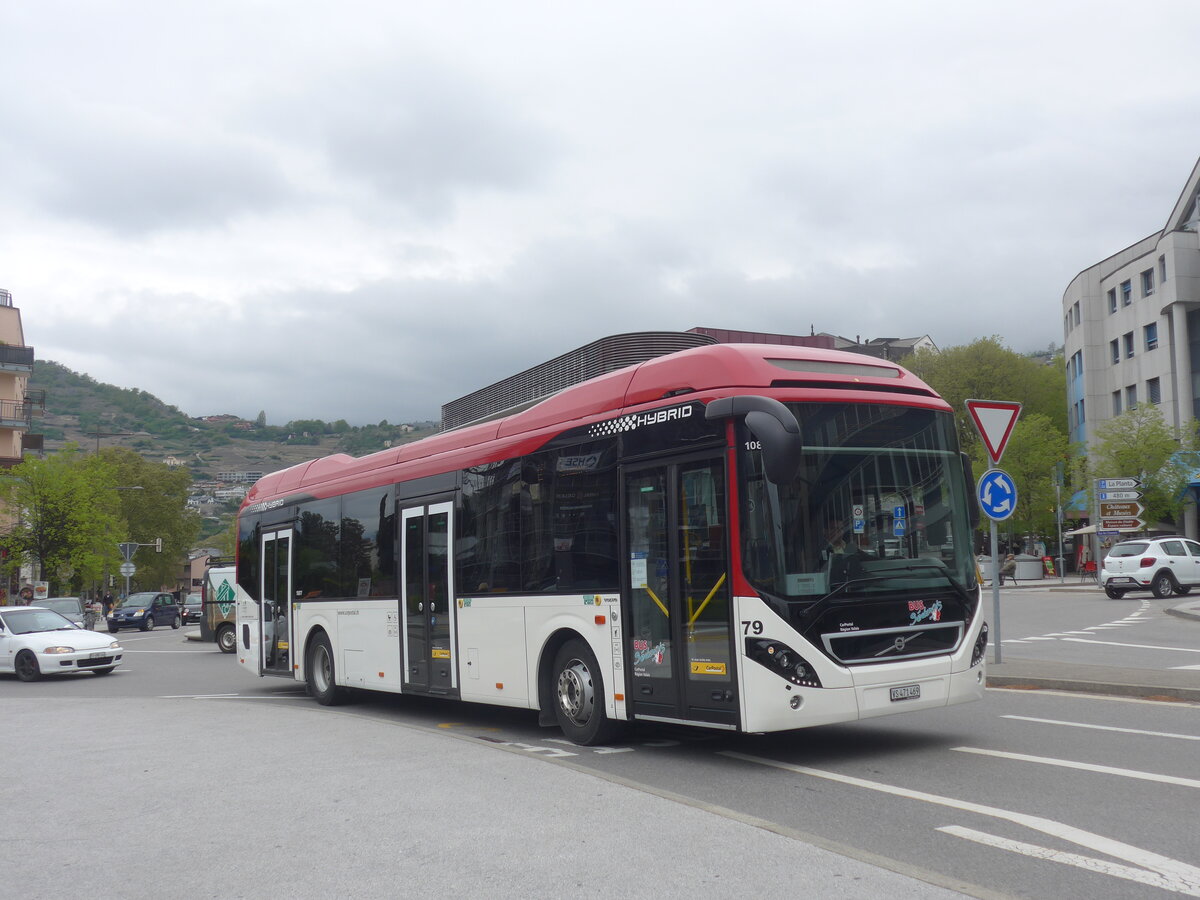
column 907, row 692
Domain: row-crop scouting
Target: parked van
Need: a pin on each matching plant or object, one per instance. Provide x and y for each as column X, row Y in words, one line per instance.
column 218, row 598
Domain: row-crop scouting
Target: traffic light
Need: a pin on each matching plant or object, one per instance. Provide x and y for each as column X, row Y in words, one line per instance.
column 158, row 545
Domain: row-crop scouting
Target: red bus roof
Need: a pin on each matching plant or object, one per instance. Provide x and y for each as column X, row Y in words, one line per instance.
column 701, row 373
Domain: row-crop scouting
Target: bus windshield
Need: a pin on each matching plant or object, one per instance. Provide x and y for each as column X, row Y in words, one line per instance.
column 879, row 506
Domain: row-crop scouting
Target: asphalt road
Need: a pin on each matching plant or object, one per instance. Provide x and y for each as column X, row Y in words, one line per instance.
column 232, row 784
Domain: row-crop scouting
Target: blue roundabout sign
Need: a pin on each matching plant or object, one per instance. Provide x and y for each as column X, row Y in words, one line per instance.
column 997, row 494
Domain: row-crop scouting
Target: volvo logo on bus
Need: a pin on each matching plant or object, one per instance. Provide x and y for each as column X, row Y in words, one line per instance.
column 640, row 420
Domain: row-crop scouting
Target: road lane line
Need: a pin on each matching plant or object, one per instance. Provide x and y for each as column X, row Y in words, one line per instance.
column 1136, row 646
column 1147, row 859
column 1085, row 767
column 1166, row 734
column 1101, row 866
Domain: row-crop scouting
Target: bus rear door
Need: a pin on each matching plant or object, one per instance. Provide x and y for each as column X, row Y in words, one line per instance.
column 680, row 639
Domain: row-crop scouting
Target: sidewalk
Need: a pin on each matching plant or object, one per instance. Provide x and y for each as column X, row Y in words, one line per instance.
column 1148, row 684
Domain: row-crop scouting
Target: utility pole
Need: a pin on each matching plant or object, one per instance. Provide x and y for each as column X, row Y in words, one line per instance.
column 99, row 434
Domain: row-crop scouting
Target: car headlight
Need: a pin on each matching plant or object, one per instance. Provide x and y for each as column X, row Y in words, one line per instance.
column 114, row 646
column 59, row 650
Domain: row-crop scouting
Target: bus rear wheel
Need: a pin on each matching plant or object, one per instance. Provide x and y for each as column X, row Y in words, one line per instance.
column 578, row 693
column 321, row 678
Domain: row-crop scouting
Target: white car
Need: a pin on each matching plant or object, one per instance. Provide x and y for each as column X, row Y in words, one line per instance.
column 1161, row 565
column 36, row 642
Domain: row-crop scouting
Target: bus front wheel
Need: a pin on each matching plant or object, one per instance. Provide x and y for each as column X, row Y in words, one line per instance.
column 321, row 679
column 226, row 638
column 578, row 692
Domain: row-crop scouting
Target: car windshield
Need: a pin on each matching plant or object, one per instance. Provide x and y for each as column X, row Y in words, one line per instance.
column 28, row 620
column 64, row 605
column 1133, row 548
column 138, row 600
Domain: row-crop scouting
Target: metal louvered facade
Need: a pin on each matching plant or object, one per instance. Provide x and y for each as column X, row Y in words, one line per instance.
column 608, row 354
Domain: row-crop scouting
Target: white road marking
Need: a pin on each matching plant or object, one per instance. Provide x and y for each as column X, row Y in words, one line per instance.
column 1186, row 875
column 1103, row 867
column 1185, row 667
column 1166, row 734
column 1085, row 767
column 1137, row 646
column 128, row 650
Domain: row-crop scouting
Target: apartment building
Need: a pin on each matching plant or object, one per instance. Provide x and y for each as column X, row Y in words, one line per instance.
column 17, row 404
column 1131, row 327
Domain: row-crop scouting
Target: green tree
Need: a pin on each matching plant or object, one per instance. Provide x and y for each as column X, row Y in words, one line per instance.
column 65, row 515
column 158, row 510
column 1140, row 444
column 1033, row 451
column 987, row 370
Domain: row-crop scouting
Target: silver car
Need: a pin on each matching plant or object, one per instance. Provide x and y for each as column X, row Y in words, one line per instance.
column 71, row 607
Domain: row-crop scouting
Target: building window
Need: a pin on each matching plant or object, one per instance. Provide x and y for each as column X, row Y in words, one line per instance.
column 1116, row 403
column 1112, row 300
column 1114, row 347
column 1128, row 339
column 1162, row 269
column 1075, row 312
column 1082, row 415
column 1147, row 282
column 1131, row 396
column 1126, row 293
column 1154, row 391
column 1151, row 332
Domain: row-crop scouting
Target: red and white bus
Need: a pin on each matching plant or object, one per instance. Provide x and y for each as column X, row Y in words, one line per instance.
column 747, row 537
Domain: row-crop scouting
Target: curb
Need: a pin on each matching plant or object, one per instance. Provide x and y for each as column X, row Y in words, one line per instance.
column 1141, row 691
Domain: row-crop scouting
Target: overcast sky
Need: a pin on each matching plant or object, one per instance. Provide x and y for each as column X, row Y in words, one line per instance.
column 362, row 210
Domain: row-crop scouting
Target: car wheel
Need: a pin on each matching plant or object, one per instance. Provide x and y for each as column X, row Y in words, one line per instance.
column 1183, row 589
column 26, row 666
column 578, row 696
column 226, row 639
column 1163, row 585
column 321, row 676
column 148, row 625
column 107, row 670
column 1113, row 593
column 113, row 629
column 177, row 622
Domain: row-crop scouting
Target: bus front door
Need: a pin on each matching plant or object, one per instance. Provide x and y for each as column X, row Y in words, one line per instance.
column 276, row 593
column 679, row 635
column 428, row 599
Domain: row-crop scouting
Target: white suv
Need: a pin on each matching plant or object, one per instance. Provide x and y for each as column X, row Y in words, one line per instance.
column 1163, row 565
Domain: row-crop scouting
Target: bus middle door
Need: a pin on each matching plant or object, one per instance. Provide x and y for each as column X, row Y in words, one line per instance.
column 428, row 599
column 678, row 625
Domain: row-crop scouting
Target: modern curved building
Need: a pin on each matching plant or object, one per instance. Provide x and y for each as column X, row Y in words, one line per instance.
column 1131, row 326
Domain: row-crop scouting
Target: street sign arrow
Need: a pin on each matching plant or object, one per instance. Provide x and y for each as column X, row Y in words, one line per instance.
column 1118, row 484
column 1121, row 524
column 1121, row 510
column 994, row 420
column 1120, row 495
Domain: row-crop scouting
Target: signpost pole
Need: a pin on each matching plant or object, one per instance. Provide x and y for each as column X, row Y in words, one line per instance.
column 996, row 591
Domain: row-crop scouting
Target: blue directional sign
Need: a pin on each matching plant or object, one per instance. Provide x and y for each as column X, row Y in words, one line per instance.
column 899, row 527
column 997, row 495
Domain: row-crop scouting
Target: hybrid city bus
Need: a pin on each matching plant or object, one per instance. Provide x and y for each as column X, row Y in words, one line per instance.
column 750, row 537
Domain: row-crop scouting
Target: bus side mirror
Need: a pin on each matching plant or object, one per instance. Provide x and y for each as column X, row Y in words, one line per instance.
column 774, row 426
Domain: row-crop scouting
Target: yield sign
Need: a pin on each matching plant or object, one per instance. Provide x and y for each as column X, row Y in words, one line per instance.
column 995, row 420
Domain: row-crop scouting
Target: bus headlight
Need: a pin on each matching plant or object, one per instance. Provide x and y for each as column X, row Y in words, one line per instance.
column 980, row 646
column 783, row 661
